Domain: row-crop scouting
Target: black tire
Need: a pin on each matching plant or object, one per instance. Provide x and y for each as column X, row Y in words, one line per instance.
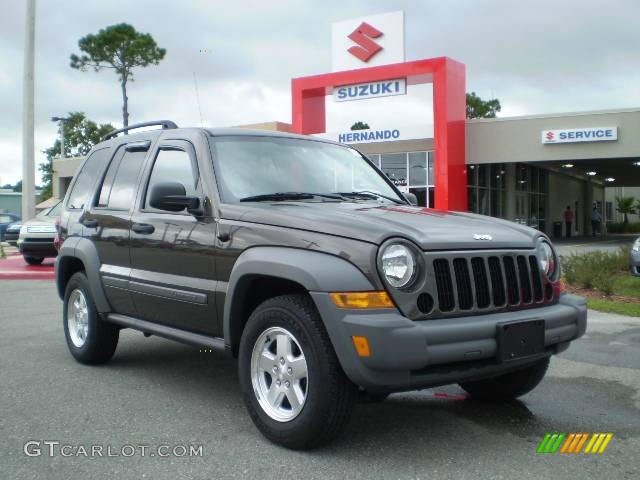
column 33, row 260
column 330, row 395
column 101, row 338
column 508, row 386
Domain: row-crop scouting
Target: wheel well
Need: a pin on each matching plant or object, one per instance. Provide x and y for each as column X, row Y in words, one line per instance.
column 67, row 267
column 251, row 291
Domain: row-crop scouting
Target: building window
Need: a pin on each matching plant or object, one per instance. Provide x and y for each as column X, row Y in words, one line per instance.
column 486, row 189
column 410, row 171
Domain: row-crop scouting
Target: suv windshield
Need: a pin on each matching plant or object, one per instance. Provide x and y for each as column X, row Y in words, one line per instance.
column 248, row 168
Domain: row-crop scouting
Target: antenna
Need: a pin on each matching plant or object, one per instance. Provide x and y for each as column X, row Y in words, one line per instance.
column 195, row 84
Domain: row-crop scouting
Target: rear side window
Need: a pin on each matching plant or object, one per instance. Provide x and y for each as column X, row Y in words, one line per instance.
column 119, row 186
column 82, row 189
column 173, row 165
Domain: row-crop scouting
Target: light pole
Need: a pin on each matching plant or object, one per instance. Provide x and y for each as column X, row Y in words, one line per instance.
column 28, row 153
column 61, row 120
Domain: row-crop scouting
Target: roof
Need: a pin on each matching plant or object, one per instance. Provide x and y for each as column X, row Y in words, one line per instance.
column 556, row 115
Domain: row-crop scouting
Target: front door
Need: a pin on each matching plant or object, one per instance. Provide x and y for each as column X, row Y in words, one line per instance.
column 172, row 253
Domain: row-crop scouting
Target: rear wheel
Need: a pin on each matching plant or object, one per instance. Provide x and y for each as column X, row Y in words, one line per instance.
column 90, row 339
column 33, row 260
column 510, row 385
column 293, row 386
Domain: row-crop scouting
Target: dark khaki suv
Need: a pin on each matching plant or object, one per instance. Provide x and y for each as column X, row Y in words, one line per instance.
column 300, row 258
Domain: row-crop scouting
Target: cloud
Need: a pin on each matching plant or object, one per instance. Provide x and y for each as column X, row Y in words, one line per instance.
column 536, row 57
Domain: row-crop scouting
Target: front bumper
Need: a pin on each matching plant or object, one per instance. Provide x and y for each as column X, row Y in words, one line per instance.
column 38, row 247
column 407, row 354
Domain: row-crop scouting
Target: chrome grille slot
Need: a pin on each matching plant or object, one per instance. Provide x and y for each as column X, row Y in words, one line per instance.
column 463, row 282
column 483, row 297
column 446, row 301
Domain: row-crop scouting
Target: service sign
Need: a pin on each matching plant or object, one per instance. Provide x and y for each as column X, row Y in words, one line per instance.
column 362, row 91
column 574, row 135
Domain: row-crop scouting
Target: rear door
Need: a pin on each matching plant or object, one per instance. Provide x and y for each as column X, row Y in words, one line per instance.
column 172, row 253
column 108, row 221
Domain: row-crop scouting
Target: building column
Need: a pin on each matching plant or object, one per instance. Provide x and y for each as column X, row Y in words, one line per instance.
column 588, row 207
column 510, row 191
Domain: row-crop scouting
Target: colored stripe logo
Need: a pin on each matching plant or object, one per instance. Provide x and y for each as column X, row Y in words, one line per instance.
column 574, row 442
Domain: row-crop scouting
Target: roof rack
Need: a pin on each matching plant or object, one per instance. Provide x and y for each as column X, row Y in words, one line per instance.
column 166, row 124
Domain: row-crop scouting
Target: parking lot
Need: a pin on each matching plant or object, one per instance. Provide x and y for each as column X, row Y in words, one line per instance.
column 155, row 392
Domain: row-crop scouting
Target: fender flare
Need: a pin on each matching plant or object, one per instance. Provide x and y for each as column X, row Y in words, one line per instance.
column 85, row 251
column 314, row 271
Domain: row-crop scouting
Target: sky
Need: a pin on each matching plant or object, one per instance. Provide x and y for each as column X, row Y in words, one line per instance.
column 536, row 57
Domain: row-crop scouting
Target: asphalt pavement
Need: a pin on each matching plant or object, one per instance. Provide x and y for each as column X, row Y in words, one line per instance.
column 155, row 392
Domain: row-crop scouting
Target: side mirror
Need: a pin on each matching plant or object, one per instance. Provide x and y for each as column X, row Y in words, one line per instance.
column 411, row 198
column 172, row 197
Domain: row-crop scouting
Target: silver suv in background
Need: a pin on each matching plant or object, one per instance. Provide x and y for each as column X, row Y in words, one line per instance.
column 37, row 236
column 634, row 263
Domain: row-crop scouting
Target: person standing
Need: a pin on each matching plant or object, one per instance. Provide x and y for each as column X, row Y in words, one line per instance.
column 596, row 218
column 568, row 220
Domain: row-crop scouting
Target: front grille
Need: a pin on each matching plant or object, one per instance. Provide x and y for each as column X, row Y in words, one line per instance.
column 486, row 282
column 41, row 228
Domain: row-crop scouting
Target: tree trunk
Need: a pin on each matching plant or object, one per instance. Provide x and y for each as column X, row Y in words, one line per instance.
column 125, row 103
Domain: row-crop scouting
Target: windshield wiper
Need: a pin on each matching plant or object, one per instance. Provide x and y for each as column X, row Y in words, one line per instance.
column 282, row 196
column 370, row 194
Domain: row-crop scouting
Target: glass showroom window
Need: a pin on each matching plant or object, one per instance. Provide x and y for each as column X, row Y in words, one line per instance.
column 486, row 189
column 412, row 171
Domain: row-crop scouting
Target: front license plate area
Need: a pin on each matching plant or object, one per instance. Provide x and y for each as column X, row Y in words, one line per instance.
column 520, row 339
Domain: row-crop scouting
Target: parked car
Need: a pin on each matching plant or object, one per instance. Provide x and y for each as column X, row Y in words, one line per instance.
column 634, row 263
column 7, row 219
column 12, row 233
column 37, row 236
column 299, row 257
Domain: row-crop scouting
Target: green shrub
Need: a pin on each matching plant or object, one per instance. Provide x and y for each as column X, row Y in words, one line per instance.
column 595, row 269
column 2, row 255
column 623, row 228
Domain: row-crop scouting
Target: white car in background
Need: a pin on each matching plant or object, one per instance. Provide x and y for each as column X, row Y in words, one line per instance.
column 37, row 236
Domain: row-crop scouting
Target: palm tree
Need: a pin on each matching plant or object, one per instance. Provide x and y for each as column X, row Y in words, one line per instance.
column 626, row 205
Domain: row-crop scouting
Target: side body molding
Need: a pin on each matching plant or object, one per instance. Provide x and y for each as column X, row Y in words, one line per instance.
column 315, row 271
column 85, row 251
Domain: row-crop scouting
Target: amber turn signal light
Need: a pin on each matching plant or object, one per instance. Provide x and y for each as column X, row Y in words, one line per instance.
column 362, row 346
column 361, row 299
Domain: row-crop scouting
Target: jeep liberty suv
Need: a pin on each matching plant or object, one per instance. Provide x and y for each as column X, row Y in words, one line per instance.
column 301, row 259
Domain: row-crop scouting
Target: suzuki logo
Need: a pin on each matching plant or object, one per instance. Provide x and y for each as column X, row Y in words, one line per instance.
column 362, row 36
column 482, row 236
column 550, row 135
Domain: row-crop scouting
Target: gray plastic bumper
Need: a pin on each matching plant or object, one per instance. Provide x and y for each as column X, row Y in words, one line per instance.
column 408, row 354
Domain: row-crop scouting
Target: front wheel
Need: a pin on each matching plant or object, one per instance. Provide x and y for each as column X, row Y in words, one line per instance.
column 90, row 339
column 293, row 386
column 508, row 386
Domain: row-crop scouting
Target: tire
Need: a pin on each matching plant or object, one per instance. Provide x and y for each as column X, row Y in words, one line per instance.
column 325, row 394
column 508, row 386
column 91, row 341
column 33, row 260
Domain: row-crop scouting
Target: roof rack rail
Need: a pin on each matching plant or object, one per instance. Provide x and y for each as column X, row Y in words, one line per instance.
column 166, row 124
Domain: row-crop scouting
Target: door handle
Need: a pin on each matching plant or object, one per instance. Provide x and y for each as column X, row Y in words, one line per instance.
column 90, row 223
column 142, row 228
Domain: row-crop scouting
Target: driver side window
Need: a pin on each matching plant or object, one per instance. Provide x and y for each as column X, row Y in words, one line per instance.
column 173, row 165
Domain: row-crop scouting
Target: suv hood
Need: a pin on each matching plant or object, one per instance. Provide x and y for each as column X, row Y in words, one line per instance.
column 429, row 228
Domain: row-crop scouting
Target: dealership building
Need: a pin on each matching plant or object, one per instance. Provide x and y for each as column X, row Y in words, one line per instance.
column 526, row 169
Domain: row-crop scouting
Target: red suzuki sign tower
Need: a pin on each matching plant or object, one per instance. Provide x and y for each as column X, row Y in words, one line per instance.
column 448, row 79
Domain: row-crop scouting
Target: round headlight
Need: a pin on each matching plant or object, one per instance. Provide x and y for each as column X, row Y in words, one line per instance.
column 398, row 265
column 547, row 259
